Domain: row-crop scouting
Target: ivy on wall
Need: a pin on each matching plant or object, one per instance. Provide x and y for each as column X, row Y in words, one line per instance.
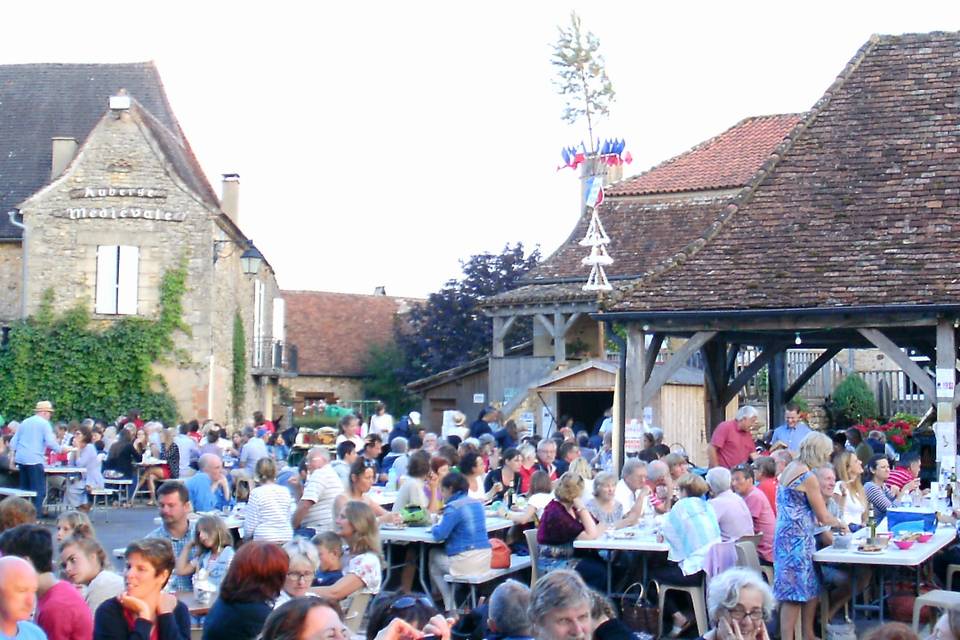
column 90, row 371
column 238, row 387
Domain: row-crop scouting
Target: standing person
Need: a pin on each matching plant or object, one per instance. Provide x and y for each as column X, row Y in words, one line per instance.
column 481, row 425
column 175, row 527
column 463, row 531
column 315, row 510
column 350, row 431
column 732, row 441
column 508, row 437
column 61, row 610
column 767, row 474
column 18, row 597
column 764, row 519
column 85, row 564
column 732, row 512
column 791, row 432
column 381, row 422
column 33, row 437
column 85, row 456
column 796, row 584
column 251, row 586
column 267, row 516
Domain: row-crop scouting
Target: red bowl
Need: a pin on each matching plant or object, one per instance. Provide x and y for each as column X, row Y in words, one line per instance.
column 924, row 537
column 903, row 544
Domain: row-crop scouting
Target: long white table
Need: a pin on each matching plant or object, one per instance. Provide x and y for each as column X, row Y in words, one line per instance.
column 232, row 521
column 891, row 556
column 626, row 539
column 67, row 473
column 422, row 537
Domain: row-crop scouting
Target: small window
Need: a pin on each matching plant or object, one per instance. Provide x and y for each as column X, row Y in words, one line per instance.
column 118, row 268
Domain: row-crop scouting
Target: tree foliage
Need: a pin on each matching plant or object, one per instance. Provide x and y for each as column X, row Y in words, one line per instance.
column 384, row 365
column 581, row 76
column 238, row 384
column 450, row 328
column 89, row 371
column 852, row 402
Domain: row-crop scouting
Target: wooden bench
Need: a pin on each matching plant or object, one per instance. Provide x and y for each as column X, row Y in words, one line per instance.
column 517, row 563
column 17, row 493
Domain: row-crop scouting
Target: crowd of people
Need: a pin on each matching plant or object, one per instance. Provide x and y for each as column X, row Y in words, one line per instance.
column 309, row 546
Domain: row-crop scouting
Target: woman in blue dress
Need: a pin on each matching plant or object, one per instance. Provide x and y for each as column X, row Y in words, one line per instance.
column 799, row 506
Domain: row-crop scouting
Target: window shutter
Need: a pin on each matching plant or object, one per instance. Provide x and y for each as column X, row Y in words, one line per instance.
column 279, row 316
column 106, row 295
column 257, row 323
column 127, row 280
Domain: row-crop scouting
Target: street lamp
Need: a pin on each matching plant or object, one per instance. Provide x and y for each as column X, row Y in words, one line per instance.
column 250, row 260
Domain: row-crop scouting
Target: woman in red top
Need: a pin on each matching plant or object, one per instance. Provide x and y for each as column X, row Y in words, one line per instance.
column 564, row 520
column 528, row 466
column 766, row 472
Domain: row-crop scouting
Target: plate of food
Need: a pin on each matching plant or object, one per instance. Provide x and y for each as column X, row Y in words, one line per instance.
column 870, row 549
column 390, row 526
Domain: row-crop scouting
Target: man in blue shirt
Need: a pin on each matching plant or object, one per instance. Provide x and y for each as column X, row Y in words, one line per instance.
column 789, row 434
column 209, row 489
column 29, row 444
column 174, row 502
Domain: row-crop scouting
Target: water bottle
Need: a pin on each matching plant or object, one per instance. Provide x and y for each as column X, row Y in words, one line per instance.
column 392, row 480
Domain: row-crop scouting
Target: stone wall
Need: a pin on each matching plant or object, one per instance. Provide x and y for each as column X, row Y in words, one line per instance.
column 343, row 388
column 11, row 275
column 61, row 254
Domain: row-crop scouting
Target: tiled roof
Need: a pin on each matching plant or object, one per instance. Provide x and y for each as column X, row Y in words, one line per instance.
column 41, row 101
column 863, row 208
column 641, row 234
column 727, row 160
column 333, row 332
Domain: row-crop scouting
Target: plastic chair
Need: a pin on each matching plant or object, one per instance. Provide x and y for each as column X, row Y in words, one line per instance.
column 534, row 546
column 755, row 539
column 938, row 598
column 353, row 618
column 951, row 569
column 697, row 595
column 747, row 556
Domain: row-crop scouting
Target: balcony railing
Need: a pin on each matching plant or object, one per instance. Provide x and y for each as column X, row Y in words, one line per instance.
column 273, row 357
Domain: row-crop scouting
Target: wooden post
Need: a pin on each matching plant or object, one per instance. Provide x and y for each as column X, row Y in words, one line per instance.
column 715, row 378
column 776, row 384
column 559, row 339
column 633, row 388
column 946, row 366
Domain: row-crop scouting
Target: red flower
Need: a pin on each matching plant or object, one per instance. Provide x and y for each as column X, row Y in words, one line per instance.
column 898, row 440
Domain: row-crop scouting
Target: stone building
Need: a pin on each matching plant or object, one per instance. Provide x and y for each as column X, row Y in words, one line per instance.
column 101, row 195
column 334, row 332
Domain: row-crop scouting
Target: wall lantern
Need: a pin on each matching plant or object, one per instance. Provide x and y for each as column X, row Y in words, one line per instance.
column 251, row 260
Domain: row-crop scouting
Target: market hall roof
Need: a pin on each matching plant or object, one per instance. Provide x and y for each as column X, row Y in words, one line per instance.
column 41, row 101
column 657, row 213
column 860, row 209
column 335, row 331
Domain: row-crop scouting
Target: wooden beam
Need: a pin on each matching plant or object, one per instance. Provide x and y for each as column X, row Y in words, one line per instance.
column 791, row 324
column 559, row 339
column 732, row 354
column 715, row 378
column 542, row 319
column 946, row 360
column 569, row 323
column 892, row 351
column 501, row 326
column 661, row 375
column 749, row 371
column 636, row 378
column 776, row 385
column 656, row 342
column 809, row 372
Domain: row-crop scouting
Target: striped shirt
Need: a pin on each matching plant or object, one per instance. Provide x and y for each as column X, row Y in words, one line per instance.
column 267, row 516
column 899, row 477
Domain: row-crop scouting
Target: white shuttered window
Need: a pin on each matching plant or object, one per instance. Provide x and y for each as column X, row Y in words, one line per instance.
column 118, row 268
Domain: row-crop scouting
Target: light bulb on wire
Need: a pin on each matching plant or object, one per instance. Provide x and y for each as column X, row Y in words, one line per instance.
column 798, row 341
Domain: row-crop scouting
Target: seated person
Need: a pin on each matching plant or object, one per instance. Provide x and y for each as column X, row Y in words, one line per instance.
column 330, row 550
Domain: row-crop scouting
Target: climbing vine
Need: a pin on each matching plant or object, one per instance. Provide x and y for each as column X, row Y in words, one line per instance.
column 238, row 387
column 87, row 370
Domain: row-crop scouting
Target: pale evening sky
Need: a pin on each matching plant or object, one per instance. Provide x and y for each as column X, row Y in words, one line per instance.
column 379, row 143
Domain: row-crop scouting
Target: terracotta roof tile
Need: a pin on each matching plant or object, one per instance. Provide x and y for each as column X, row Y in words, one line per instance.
column 862, row 209
column 727, row 160
column 333, row 332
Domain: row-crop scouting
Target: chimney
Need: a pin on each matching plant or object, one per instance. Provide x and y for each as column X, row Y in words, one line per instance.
column 380, row 291
column 63, row 151
column 230, row 196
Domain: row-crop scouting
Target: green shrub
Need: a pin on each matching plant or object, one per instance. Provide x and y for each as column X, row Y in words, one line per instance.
column 315, row 422
column 853, row 402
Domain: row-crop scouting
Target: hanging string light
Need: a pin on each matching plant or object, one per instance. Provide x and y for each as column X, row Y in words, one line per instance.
column 597, row 239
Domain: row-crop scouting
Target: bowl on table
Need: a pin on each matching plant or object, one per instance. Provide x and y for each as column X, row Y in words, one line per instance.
column 924, row 537
column 903, row 544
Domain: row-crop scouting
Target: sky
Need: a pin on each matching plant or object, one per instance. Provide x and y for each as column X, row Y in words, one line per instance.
column 382, row 143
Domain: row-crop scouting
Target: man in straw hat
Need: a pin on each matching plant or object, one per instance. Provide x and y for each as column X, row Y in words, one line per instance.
column 29, row 444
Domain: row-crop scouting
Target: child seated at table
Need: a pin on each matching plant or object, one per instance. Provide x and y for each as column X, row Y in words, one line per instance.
column 330, row 547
